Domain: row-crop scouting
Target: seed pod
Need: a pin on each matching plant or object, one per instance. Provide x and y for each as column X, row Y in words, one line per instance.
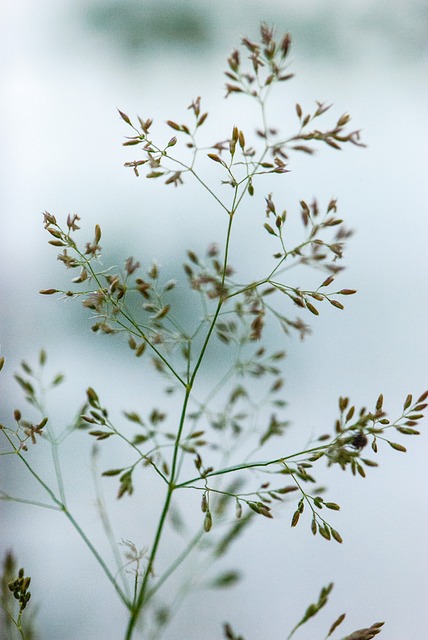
column 208, row 522
column 295, row 518
column 332, row 505
column 124, row 117
column 408, row 402
column 310, row 307
column 336, row 535
column 327, row 281
column 314, row 526
column 92, row 397
column 216, row 158
column 336, row 304
column 140, row 350
column 325, row 532
column 173, row 125
column 397, row 447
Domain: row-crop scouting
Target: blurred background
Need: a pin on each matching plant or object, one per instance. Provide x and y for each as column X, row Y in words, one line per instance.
column 65, row 69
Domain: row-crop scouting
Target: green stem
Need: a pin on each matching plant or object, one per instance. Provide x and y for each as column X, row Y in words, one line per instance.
column 142, row 456
column 140, row 599
column 43, row 505
column 21, row 631
column 140, row 602
column 108, row 529
column 99, row 559
column 252, row 465
column 177, row 562
column 17, row 622
column 132, row 322
column 79, row 530
column 57, row 465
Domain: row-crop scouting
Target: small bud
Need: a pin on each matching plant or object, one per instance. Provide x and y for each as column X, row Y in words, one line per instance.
column 327, row 281
column 163, row 312
column 269, row 229
column 337, row 304
column 295, row 518
column 336, row 535
column 343, row 120
column 310, row 307
column 408, row 401
column 343, row 403
column 173, row 125
column 397, row 447
column 111, row 472
column 124, row 117
column 202, row 119
column 92, row 397
column 325, row 532
column 285, row 44
column 332, row 505
column 54, row 232
column 140, row 350
column 169, row 285
column 350, row 414
column 216, row 158
column 208, row 522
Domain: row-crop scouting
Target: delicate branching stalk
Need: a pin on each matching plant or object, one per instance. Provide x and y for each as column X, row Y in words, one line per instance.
column 223, row 432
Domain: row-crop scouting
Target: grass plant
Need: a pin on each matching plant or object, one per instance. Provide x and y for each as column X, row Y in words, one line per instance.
column 213, row 446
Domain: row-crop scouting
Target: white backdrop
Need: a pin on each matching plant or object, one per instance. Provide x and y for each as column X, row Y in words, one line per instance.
column 66, row 67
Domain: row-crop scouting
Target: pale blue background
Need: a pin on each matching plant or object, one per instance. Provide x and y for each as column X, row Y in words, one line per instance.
column 65, row 67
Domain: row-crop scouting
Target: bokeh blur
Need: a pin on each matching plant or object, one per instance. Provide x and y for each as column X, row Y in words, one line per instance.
column 66, row 67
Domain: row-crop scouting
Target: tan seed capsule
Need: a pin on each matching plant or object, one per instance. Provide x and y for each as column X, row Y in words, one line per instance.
column 208, row 522
column 139, row 352
column 295, row 519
